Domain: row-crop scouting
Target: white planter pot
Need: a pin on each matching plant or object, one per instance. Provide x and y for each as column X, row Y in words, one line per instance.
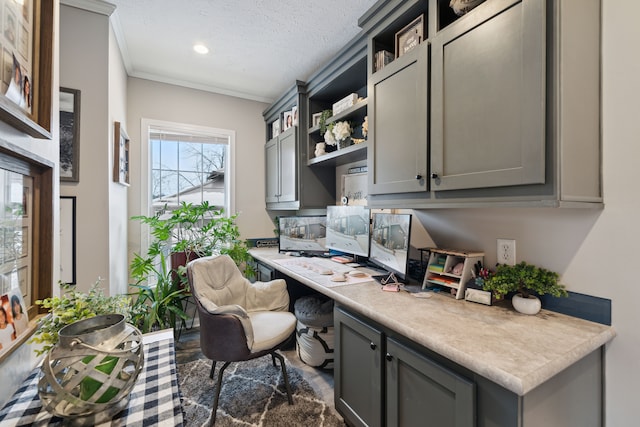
column 530, row 305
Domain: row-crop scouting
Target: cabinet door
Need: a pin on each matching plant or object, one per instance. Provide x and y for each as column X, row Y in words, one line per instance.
column 288, row 166
column 398, row 115
column 420, row 392
column 357, row 371
column 272, row 172
column 488, row 98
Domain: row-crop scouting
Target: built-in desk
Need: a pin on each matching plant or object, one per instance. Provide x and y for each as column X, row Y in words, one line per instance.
column 539, row 362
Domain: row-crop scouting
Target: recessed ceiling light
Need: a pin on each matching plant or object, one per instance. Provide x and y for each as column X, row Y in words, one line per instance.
column 201, row 49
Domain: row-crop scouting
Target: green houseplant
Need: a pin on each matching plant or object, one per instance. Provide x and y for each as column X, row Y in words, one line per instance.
column 197, row 230
column 527, row 281
column 181, row 235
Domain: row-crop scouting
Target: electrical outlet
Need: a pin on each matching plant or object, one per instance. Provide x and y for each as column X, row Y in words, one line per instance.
column 507, row 251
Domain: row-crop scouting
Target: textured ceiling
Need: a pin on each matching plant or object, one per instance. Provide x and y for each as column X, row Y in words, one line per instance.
column 258, row 48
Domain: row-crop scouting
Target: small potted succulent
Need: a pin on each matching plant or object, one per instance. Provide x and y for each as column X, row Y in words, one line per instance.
column 527, row 281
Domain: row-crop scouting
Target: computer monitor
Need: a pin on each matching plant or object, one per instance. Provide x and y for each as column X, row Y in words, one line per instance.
column 390, row 239
column 302, row 234
column 348, row 229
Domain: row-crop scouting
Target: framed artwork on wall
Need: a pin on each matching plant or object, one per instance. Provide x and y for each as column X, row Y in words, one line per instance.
column 26, row 55
column 69, row 134
column 120, row 155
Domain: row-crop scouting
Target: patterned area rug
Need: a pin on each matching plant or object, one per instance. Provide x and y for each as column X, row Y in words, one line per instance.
column 253, row 394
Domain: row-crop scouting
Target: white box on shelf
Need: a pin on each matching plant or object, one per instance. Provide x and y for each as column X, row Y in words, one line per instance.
column 344, row 103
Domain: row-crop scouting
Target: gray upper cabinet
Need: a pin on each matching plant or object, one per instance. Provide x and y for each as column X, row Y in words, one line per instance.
column 289, row 183
column 398, row 124
column 513, row 106
column 488, row 98
column 281, row 179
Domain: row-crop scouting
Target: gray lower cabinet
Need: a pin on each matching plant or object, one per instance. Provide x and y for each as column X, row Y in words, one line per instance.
column 280, row 156
column 383, row 379
column 381, row 382
column 398, row 117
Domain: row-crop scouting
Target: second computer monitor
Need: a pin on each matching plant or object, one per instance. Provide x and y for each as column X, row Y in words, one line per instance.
column 348, row 229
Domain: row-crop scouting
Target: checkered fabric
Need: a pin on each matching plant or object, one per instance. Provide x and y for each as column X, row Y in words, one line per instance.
column 154, row 400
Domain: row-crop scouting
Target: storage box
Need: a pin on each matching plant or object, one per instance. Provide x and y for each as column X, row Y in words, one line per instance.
column 344, row 103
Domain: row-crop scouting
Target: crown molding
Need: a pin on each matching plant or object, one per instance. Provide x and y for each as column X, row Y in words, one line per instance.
column 96, row 6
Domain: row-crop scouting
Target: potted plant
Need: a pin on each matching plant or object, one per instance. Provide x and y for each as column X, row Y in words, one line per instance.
column 72, row 306
column 186, row 233
column 527, row 281
column 159, row 303
column 196, row 230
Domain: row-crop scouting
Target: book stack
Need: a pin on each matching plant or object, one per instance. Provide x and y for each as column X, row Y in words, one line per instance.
column 382, row 58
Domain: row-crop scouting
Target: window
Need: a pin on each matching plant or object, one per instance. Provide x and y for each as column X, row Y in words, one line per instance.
column 189, row 164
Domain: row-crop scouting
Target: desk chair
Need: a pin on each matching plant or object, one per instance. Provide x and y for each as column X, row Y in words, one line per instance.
column 239, row 320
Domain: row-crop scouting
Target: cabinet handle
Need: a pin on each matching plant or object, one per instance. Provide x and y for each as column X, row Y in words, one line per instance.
column 389, row 357
column 418, row 177
column 373, row 346
column 434, row 175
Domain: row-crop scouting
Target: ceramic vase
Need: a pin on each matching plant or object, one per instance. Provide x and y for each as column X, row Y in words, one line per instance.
column 530, row 305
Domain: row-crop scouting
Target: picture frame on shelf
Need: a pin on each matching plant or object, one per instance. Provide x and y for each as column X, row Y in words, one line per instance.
column 26, row 37
column 287, row 122
column 354, row 188
column 69, row 134
column 294, row 113
column 315, row 119
column 275, row 128
column 120, row 155
column 410, row 36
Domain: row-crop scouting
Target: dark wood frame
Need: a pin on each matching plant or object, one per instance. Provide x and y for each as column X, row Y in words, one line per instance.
column 75, row 136
column 120, row 154
column 417, row 25
column 37, row 123
column 72, row 237
column 41, row 170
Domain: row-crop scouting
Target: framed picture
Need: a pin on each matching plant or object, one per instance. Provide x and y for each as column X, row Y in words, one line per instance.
column 410, row 36
column 315, row 119
column 69, row 134
column 26, row 37
column 68, row 239
column 354, row 188
column 288, row 120
column 294, row 113
column 120, row 155
column 275, row 128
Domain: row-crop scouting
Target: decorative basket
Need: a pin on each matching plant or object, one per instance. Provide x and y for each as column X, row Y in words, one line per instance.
column 88, row 375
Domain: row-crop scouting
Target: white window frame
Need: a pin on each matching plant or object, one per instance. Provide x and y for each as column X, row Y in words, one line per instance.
column 145, row 167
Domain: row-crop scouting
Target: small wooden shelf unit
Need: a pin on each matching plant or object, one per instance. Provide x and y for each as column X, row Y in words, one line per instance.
column 443, row 269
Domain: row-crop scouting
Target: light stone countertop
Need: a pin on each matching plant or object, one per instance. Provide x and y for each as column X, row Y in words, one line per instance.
column 516, row 351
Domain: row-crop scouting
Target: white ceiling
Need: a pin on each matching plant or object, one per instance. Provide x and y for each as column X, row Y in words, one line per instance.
column 257, row 48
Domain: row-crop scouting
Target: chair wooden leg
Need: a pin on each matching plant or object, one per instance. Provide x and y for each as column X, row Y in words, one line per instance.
column 217, row 395
column 213, row 368
column 284, row 375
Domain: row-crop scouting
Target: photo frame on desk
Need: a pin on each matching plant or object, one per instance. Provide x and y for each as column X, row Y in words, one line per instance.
column 410, row 36
column 26, row 37
column 120, row 155
column 69, row 134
